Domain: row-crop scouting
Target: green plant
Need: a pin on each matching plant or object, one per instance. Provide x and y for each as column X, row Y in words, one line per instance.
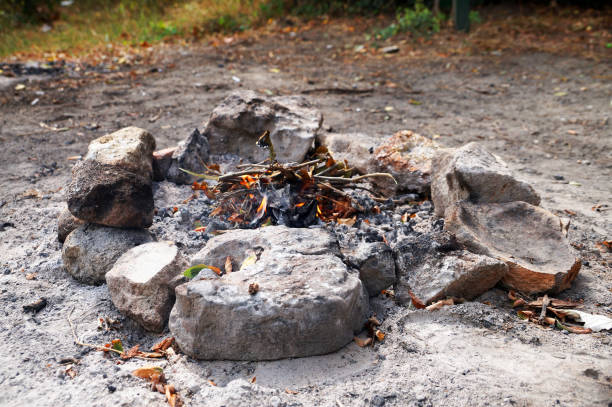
column 475, row 17
column 420, row 21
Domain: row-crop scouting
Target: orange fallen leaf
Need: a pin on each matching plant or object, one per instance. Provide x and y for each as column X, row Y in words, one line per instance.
column 200, row 229
column 132, row 352
column 289, row 391
column 380, row 335
column 163, row 345
column 212, row 383
column 362, row 343
column 149, row 372
column 253, row 379
column 418, row 304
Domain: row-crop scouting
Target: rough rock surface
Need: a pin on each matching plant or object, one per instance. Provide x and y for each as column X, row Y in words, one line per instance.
column 307, row 302
column 407, row 156
column 130, row 148
column 375, row 263
column 192, row 155
column 433, row 267
column 109, row 195
column 473, row 173
column 142, row 283
column 66, row 223
column 162, row 159
column 356, row 148
column 238, row 122
column 91, row 250
column 528, row 238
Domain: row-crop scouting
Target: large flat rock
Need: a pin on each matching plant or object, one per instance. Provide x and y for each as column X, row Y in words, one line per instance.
column 238, row 122
column 142, row 282
column 528, row 238
column 91, row 250
column 307, row 302
column 472, row 173
column 432, row 266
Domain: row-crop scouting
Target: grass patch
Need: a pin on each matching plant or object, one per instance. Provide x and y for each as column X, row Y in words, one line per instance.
column 83, row 26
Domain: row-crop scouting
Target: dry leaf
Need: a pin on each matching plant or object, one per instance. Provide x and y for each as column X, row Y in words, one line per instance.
column 149, row 372
column 289, row 391
column 362, row 343
column 418, row 304
column 133, row 351
column 71, row 372
column 163, row 344
column 253, row 288
column 212, row 383
column 253, row 379
column 380, row 335
column 171, row 396
column 228, row 265
column 439, row 304
column 347, row 221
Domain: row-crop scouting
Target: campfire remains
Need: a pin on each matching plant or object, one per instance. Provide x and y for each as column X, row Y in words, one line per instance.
column 287, row 231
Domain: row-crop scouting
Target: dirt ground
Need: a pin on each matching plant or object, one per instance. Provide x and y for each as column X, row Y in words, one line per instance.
column 548, row 116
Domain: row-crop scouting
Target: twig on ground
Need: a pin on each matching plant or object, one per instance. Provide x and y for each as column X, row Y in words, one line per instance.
column 98, row 347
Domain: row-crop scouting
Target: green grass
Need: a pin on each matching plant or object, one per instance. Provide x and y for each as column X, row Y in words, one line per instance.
column 83, row 29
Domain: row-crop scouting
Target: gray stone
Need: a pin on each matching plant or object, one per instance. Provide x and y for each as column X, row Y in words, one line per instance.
column 407, row 156
column 356, row 148
column 91, row 250
column 307, row 302
column 375, row 263
column 433, row 267
column 238, row 122
column 109, row 195
column 142, row 283
column 472, row 173
column 528, row 238
column 66, row 223
column 191, row 155
column 130, row 148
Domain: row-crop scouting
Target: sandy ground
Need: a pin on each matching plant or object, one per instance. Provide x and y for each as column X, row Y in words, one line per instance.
column 548, row 116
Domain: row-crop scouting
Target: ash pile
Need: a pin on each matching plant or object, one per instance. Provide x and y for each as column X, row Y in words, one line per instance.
column 264, row 226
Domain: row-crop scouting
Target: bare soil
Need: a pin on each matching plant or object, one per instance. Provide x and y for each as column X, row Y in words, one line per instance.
column 547, row 115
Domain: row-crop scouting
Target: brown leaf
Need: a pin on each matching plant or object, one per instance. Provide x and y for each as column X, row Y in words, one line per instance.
column 418, row 304
column 163, row 344
column 362, row 343
column 71, row 372
column 347, row 221
column 439, row 304
column 133, row 351
column 253, row 379
column 151, row 373
column 253, row 288
column 519, row 302
column 512, row 296
column 289, row 391
column 380, row 335
column 212, row 383
column 171, row 396
column 228, row 265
